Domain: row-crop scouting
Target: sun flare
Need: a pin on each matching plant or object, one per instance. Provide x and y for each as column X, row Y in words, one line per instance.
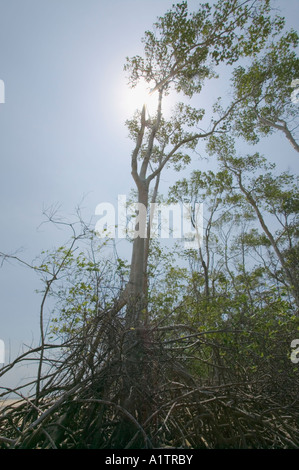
column 136, row 97
column 130, row 100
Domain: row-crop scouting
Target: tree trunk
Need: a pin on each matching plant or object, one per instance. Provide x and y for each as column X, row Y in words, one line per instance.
column 136, row 295
column 136, row 347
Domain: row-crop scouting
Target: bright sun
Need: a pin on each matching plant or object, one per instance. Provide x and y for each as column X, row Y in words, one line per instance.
column 135, row 98
column 132, row 99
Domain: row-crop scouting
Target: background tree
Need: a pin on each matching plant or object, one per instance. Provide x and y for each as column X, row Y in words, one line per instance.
column 266, row 193
column 267, row 87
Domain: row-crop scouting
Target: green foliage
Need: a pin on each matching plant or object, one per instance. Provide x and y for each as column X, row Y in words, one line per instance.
column 87, row 284
column 265, row 87
column 184, row 44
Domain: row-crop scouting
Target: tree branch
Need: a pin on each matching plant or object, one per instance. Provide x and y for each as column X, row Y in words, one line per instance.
column 284, row 128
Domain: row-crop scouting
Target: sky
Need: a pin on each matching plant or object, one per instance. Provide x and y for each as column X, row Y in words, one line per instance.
column 63, row 139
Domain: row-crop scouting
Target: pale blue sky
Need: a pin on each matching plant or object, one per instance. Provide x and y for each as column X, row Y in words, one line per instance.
column 62, row 125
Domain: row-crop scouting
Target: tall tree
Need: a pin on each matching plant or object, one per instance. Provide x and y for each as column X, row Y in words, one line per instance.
column 180, row 55
column 206, row 369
